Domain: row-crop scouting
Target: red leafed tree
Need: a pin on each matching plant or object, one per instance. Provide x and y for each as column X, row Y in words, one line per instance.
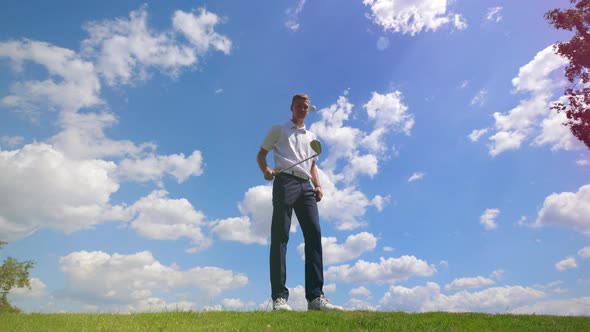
column 577, row 51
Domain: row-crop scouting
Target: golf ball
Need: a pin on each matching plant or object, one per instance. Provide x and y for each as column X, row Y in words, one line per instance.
column 312, row 108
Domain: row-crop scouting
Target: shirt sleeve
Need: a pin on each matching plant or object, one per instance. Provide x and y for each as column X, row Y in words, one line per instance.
column 271, row 138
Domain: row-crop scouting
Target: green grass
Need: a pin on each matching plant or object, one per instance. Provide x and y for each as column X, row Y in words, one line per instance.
column 290, row 321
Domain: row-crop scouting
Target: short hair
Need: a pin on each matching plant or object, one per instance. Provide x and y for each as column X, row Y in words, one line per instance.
column 300, row 96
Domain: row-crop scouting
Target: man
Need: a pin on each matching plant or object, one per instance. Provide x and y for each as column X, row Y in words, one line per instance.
column 292, row 190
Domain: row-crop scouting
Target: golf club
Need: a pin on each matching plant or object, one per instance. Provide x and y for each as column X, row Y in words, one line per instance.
column 316, row 146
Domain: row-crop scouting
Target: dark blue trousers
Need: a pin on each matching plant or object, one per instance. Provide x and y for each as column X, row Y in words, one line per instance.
column 292, row 193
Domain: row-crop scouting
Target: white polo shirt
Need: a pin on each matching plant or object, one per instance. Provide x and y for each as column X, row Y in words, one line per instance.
column 290, row 145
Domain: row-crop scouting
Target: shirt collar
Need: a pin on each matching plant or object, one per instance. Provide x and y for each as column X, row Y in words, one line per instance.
column 294, row 126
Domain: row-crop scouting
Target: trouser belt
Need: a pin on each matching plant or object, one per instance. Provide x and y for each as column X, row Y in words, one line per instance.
column 298, row 174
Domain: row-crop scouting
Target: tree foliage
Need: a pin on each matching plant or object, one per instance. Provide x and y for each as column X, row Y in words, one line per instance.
column 13, row 274
column 577, row 51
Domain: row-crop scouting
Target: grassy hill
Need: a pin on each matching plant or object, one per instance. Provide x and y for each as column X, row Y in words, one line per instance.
column 291, row 321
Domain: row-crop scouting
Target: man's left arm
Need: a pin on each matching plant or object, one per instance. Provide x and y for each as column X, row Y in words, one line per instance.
column 315, row 180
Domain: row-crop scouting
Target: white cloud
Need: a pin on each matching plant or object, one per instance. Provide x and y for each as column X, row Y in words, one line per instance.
column 476, row 134
column 416, row 176
column 125, row 48
column 67, row 195
column 254, row 224
column 73, row 83
column 82, row 137
column 361, row 291
column 566, row 264
column 236, row 304
column 388, row 111
column 158, row 217
column 358, row 304
column 488, row 219
column 99, row 278
column 388, row 249
column 292, row 22
column 584, row 252
column 353, row 247
column 347, row 206
column 37, row 291
column 463, row 283
column 429, row 298
column 385, row 271
column 583, row 162
column 554, row 133
column 505, row 141
column 494, row 14
column 414, row 16
column 155, row 304
column 567, row 209
column 480, row 98
column 153, row 167
column 200, row 30
column 569, row 307
column 537, row 80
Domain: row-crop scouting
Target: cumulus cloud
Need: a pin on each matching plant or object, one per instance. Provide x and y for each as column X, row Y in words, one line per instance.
column 38, row 290
column 101, row 278
column 361, row 291
column 566, row 264
column 463, row 283
column 477, row 134
column 385, row 271
column 125, row 49
column 579, row 306
column 72, row 82
column 66, row 184
column 153, row 167
column 254, row 224
column 292, row 22
column 158, row 217
column 430, row 298
column 412, row 17
column 513, row 128
column 83, row 137
column 567, row 209
column 64, row 194
column 488, row 219
column 353, row 247
column 200, row 31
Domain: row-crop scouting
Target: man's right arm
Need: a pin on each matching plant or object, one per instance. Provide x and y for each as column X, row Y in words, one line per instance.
column 261, row 159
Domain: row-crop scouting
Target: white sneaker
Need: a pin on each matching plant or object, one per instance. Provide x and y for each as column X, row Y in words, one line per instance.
column 281, row 304
column 322, row 303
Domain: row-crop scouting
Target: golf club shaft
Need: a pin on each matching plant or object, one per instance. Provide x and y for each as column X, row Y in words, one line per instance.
column 304, row 160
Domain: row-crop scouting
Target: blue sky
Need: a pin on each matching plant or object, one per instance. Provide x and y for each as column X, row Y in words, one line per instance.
column 129, row 131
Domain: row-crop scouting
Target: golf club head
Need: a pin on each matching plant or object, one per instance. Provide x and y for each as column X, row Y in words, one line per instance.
column 312, row 108
column 316, row 146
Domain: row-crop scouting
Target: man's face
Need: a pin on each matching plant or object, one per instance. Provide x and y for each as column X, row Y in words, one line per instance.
column 299, row 108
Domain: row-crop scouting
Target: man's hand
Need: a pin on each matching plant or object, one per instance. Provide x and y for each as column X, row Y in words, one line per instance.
column 269, row 174
column 318, row 193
